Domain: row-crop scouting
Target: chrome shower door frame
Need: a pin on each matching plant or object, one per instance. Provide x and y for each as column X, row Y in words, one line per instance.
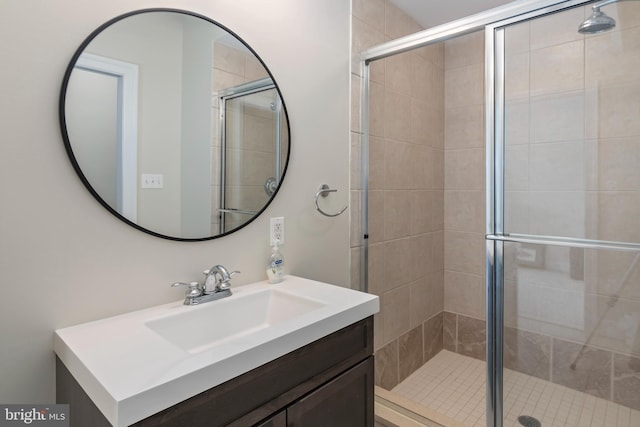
column 221, row 98
column 493, row 23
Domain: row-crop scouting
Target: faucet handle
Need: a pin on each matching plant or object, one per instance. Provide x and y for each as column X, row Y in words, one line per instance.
column 195, row 289
column 223, row 283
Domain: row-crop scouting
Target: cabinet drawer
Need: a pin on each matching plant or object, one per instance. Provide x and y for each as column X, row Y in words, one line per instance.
column 346, row 401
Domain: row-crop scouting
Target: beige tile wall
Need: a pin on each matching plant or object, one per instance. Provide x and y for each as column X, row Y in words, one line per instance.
column 406, row 183
column 426, row 181
column 464, row 178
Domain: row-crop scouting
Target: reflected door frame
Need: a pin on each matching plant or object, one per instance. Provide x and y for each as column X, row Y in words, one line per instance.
column 127, row 144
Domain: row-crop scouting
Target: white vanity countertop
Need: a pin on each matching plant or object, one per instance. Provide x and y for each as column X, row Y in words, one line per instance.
column 131, row 372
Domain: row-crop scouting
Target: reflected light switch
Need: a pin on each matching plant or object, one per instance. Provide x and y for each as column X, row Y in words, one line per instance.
column 152, row 180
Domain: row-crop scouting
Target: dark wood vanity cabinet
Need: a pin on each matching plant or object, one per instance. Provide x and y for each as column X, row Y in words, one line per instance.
column 327, row 383
column 278, row 420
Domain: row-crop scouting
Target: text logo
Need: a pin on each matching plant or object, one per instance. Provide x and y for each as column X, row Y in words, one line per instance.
column 34, row 415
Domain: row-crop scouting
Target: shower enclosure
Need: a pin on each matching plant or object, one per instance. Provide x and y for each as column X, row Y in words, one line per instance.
column 500, row 193
column 251, row 135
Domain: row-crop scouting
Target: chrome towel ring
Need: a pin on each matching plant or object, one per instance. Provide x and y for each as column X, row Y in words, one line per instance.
column 323, row 191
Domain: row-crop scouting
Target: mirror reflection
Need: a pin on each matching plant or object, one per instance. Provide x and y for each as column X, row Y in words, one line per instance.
column 174, row 124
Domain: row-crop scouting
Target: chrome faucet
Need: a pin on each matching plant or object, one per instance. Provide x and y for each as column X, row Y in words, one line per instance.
column 217, row 279
column 216, row 286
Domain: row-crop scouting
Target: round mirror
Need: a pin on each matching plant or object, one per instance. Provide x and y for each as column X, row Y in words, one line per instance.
column 174, row 124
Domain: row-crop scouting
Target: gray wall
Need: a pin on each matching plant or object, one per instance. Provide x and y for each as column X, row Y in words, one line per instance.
column 66, row 260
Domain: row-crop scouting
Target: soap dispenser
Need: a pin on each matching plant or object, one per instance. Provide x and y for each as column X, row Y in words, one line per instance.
column 275, row 265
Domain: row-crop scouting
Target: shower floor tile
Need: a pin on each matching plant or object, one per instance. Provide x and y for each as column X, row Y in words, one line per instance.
column 454, row 385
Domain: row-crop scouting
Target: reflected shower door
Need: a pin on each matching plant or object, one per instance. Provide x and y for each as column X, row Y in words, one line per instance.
column 252, row 152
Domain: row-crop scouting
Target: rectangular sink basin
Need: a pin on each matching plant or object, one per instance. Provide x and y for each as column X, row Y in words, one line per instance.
column 139, row 363
column 223, row 320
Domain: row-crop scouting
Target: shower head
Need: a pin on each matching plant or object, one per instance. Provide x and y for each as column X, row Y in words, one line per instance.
column 597, row 22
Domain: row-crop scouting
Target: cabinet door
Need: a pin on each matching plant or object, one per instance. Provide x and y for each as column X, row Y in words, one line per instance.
column 346, row 401
column 278, row 420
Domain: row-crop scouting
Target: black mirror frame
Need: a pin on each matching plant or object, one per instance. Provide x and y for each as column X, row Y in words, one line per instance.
column 76, row 166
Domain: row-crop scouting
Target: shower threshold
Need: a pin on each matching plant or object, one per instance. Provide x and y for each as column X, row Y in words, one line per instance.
column 393, row 410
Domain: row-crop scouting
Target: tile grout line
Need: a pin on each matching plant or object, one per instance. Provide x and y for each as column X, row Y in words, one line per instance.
column 611, row 382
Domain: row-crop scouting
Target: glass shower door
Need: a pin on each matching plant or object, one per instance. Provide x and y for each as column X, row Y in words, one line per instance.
column 252, row 151
column 567, row 209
